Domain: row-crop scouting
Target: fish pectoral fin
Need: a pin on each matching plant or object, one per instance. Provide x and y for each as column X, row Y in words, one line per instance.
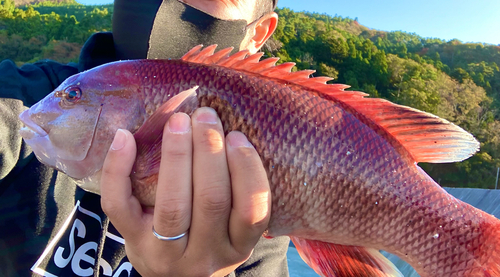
column 329, row 259
column 149, row 136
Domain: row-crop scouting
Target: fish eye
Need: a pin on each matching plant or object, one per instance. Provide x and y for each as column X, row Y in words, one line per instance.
column 72, row 94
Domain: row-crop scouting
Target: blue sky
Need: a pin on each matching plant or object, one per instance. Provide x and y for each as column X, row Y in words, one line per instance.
column 466, row 20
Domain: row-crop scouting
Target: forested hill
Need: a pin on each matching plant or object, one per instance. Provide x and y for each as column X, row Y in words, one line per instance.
column 20, row 3
column 454, row 80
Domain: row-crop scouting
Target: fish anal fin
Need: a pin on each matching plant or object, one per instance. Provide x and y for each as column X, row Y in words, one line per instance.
column 334, row 260
column 149, row 136
column 438, row 140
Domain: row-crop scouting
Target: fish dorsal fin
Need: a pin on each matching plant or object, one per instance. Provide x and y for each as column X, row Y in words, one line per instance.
column 426, row 137
column 329, row 259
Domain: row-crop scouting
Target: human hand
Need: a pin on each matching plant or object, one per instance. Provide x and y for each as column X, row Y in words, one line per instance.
column 211, row 187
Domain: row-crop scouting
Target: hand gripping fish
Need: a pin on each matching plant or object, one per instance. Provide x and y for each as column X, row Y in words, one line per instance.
column 342, row 167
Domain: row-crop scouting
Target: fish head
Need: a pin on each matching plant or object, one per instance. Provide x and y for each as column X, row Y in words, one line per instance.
column 72, row 128
column 63, row 124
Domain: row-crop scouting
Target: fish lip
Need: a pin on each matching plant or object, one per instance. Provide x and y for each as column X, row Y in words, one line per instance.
column 31, row 125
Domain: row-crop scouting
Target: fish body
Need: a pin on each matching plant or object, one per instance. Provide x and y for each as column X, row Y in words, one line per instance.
column 342, row 167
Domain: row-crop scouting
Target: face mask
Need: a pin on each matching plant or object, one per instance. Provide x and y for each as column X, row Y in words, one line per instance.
column 170, row 32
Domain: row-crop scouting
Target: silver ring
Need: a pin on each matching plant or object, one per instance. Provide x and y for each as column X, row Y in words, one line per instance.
column 160, row 237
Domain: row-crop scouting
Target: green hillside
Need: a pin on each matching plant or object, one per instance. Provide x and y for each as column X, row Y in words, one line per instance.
column 68, row 8
column 20, row 3
column 454, row 80
column 31, row 33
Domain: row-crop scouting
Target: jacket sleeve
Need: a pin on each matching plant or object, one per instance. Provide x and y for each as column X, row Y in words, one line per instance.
column 20, row 88
column 26, row 186
column 267, row 260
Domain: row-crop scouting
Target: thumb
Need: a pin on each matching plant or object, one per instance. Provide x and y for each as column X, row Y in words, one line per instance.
column 117, row 200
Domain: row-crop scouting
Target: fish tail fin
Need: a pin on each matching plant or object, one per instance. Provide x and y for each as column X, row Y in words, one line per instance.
column 335, row 260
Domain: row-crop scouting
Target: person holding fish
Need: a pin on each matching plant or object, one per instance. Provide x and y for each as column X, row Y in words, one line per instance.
column 340, row 168
column 213, row 197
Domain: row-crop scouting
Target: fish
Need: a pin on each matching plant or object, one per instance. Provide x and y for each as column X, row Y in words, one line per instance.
column 343, row 167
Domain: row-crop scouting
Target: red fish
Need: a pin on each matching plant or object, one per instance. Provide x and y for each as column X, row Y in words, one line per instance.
column 342, row 167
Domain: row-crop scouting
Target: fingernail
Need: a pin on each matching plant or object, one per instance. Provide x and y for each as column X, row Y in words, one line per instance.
column 179, row 123
column 238, row 139
column 119, row 140
column 206, row 115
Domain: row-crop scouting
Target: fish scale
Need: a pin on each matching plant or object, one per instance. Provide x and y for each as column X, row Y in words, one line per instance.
column 342, row 167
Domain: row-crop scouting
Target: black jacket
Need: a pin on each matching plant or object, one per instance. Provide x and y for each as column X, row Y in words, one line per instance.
column 50, row 226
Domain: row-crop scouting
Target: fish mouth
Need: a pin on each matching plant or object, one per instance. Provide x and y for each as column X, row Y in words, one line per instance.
column 30, row 129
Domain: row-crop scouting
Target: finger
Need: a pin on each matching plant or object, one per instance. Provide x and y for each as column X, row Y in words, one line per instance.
column 117, row 200
column 172, row 215
column 251, row 193
column 211, row 184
